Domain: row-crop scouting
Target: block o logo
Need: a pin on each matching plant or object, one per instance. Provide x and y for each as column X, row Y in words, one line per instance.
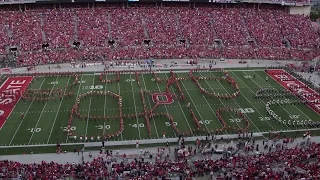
column 162, row 98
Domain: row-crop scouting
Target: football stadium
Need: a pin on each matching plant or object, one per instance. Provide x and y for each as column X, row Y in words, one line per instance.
column 156, row 89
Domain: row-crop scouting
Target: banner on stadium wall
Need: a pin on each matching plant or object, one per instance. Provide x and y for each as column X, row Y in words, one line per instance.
column 5, row 70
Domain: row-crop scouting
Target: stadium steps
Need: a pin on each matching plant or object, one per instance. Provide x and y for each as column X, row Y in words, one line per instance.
column 8, row 31
column 109, row 26
column 75, row 23
column 277, row 24
column 245, row 25
column 43, row 34
column 145, row 30
column 286, row 43
column 212, row 25
column 217, row 42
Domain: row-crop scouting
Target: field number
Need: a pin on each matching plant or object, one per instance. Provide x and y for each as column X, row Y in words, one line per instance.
column 246, row 110
column 248, row 77
column 265, row 118
column 107, row 126
column 169, row 123
column 236, row 120
column 130, row 80
column 72, row 128
column 81, row 82
column 205, row 122
column 93, row 87
column 32, row 130
column 54, row 82
column 141, row 125
column 294, row 116
column 153, row 79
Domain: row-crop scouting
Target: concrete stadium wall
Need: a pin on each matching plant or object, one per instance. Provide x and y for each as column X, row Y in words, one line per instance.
column 302, row 10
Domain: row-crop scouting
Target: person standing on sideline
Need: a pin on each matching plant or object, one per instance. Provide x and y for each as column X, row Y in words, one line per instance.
column 188, row 105
column 267, row 79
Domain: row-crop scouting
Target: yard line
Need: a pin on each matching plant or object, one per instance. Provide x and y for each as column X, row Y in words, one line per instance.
column 54, row 122
column 76, row 100
column 120, row 95
column 25, row 115
column 16, row 102
column 104, row 106
column 88, row 115
column 204, row 97
column 165, row 106
column 235, row 102
column 135, row 107
column 265, row 103
column 42, row 112
column 281, row 106
column 154, row 123
column 181, row 109
column 224, row 104
column 197, row 108
column 250, row 102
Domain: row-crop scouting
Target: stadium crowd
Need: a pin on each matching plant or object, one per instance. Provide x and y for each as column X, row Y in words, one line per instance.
column 276, row 162
column 111, row 33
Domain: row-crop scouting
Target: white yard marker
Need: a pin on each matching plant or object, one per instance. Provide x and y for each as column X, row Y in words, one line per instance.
column 41, row 113
column 182, row 110
column 104, row 108
column 88, row 116
column 135, row 107
column 197, row 108
column 165, row 106
column 250, row 102
column 120, row 95
column 76, row 100
column 235, row 102
column 154, row 123
column 54, row 122
column 281, row 106
column 15, row 133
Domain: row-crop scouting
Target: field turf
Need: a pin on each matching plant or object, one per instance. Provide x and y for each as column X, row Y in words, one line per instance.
column 46, row 122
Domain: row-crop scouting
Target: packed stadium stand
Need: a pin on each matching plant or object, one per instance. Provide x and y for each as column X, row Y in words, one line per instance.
column 64, row 33
column 293, row 163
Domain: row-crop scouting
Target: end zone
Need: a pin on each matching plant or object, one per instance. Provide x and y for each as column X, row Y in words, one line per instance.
column 11, row 91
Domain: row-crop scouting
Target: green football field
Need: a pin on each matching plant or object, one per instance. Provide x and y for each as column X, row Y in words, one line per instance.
column 46, row 122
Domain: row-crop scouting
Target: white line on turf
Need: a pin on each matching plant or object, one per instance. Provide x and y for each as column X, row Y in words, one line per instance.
column 76, row 100
column 181, row 109
column 224, row 104
column 104, row 107
column 135, row 108
column 197, row 108
column 120, row 95
column 294, row 106
column 165, row 106
column 181, row 71
column 88, row 116
column 238, row 106
column 54, row 122
column 154, row 123
column 271, row 85
column 13, row 106
column 41, row 113
column 15, row 133
column 249, row 100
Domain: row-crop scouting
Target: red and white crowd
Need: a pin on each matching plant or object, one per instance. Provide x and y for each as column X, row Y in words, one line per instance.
column 299, row 162
column 114, row 33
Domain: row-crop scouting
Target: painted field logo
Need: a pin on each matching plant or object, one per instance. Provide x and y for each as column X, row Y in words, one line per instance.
column 162, row 98
column 11, row 91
